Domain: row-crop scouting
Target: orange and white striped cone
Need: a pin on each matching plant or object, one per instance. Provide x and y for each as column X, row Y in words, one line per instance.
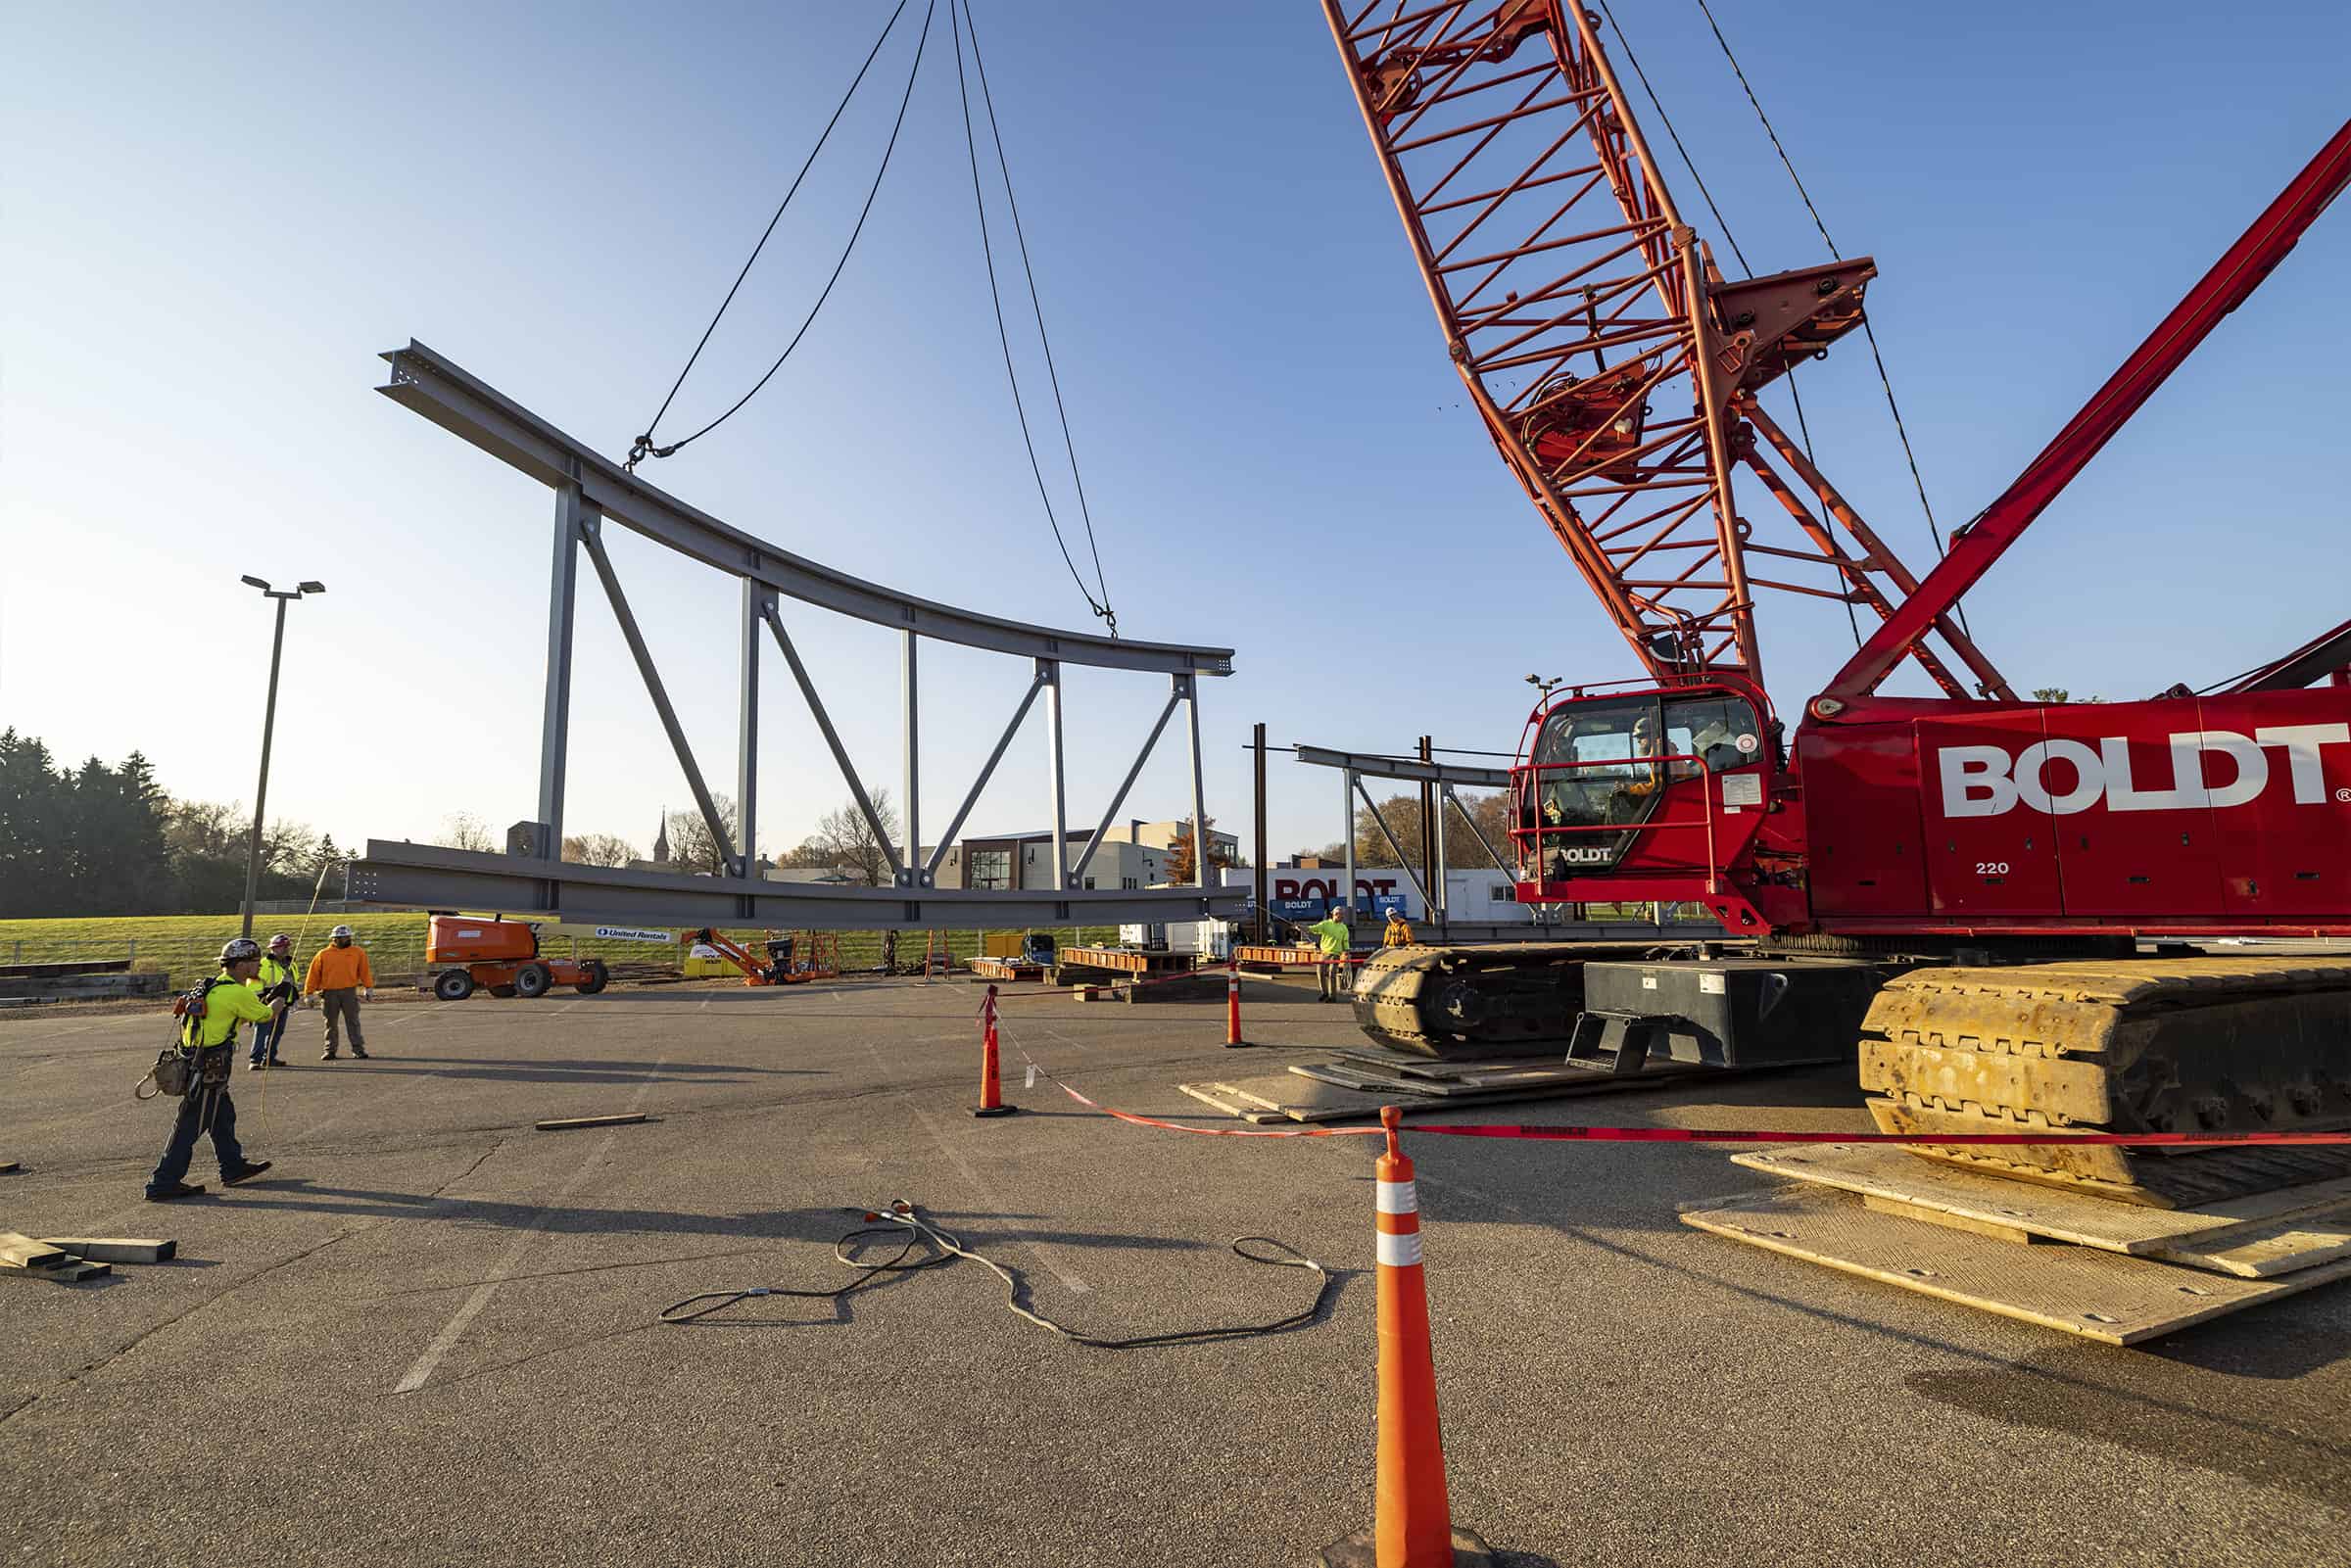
column 1412, row 1520
column 1233, row 1003
column 991, row 1097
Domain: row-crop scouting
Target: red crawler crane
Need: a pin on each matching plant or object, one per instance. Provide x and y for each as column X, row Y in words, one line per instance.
column 1618, row 372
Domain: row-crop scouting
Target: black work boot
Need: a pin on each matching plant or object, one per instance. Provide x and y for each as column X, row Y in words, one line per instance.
column 244, row 1172
column 178, row 1189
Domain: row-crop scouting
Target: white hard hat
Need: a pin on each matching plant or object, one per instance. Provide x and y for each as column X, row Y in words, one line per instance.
column 340, row 930
column 281, row 939
column 237, row 949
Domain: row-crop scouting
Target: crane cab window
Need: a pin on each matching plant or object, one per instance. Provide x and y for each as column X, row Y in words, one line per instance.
column 1609, row 783
column 1718, row 730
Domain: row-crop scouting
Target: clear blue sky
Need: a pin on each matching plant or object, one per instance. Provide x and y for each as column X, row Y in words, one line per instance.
column 212, row 220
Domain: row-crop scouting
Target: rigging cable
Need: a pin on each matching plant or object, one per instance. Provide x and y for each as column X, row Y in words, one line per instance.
column 1884, row 380
column 645, row 444
column 1100, row 606
column 1851, row 621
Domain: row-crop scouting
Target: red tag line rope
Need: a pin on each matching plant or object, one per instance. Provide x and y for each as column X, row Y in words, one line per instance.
column 1730, row 1135
column 1581, row 1134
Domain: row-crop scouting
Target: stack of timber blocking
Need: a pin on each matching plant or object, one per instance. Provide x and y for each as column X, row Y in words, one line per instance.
column 2109, row 1271
column 70, row 1259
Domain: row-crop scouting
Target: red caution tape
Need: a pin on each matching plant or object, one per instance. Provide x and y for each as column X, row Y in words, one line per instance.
column 1586, row 1134
column 1750, row 1135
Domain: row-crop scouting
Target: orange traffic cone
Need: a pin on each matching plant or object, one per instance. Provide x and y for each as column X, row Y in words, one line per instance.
column 1412, row 1521
column 992, row 1098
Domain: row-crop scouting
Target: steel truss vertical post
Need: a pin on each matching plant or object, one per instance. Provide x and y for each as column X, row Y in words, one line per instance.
column 747, row 729
column 1347, row 836
column 912, row 874
column 1048, row 671
column 1259, row 880
column 1444, row 891
column 1428, row 843
column 554, row 729
column 1191, row 708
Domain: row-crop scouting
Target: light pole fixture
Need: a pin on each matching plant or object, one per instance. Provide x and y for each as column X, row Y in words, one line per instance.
column 261, row 790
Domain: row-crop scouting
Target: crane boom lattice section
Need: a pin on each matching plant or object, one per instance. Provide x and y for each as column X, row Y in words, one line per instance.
column 1616, row 367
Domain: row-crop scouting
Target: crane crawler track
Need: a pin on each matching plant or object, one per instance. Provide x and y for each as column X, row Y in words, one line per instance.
column 2145, row 1045
column 1464, row 1003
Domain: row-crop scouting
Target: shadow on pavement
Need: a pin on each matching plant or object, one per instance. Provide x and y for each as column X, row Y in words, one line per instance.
column 539, row 1069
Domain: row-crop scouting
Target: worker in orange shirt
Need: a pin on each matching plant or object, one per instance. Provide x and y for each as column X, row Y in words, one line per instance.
column 339, row 976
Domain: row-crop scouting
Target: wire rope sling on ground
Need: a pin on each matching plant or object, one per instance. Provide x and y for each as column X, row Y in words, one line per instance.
column 901, row 1217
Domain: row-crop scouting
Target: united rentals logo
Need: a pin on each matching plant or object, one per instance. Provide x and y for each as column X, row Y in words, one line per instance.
column 1986, row 782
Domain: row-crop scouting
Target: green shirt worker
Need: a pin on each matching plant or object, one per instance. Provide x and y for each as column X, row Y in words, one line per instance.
column 1336, row 937
column 206, row 1107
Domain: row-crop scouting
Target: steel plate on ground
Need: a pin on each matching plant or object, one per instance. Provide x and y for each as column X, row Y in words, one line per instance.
column 1884, row 1172
column 2097, row 1295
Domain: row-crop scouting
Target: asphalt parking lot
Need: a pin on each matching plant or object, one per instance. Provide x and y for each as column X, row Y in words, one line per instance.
column 429, row 1335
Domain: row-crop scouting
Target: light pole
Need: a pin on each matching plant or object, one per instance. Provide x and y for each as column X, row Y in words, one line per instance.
column 261, row 790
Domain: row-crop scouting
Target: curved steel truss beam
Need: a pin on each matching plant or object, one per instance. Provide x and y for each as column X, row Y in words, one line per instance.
column 426, row 383
column 590, row 490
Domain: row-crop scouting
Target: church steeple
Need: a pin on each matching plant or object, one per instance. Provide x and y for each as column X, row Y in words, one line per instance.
column 661, row 840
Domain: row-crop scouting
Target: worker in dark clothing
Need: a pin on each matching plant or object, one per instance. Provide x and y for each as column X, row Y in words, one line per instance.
column 210, row 1040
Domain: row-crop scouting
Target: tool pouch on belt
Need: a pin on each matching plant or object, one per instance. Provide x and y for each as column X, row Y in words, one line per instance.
column 174, row 1070
column 176, row 1065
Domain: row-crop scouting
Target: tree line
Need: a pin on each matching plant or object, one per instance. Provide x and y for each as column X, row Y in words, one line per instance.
column 110, row 840
column 1401, row 814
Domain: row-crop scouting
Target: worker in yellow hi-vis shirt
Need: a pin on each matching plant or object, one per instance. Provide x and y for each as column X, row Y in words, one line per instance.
column 339, row 976
column 1336, row 937
column 207, row 1038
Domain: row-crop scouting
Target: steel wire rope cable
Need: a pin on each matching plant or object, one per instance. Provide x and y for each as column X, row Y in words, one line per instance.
column 644, row 446
column 261, row 1108
column 1803, row 427
column 1101, row 607
column 946, row 1248
column 1959, row 612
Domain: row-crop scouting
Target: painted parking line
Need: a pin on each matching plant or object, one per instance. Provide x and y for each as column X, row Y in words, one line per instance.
column 453, row 1330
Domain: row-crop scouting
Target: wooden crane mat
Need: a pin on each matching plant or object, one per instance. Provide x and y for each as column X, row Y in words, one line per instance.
column 2255, row 1237
column 2097, row 1294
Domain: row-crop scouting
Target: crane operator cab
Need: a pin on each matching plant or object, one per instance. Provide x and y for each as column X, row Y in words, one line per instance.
column 1601, row 767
